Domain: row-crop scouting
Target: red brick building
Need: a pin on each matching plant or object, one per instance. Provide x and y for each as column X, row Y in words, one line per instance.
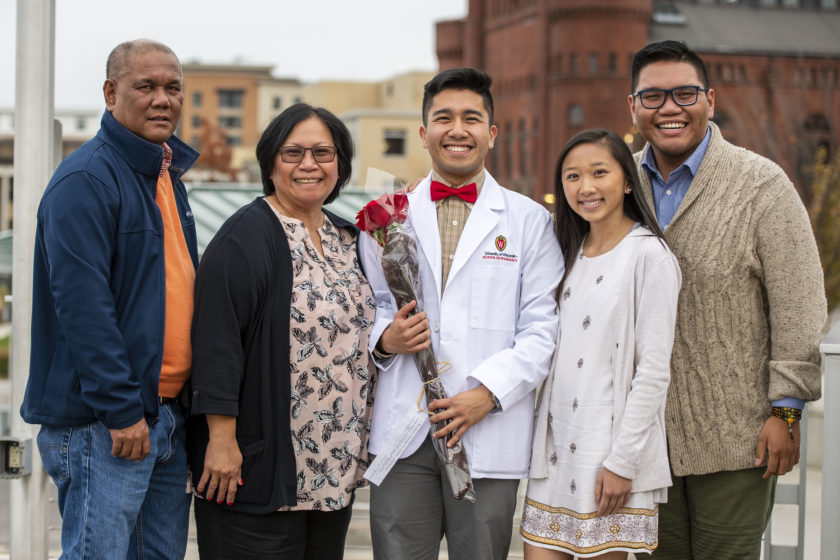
column 560, row 66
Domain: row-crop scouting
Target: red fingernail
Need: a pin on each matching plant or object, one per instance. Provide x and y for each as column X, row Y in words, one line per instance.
column 220, row 500
column 230, row 503
column 241, row 482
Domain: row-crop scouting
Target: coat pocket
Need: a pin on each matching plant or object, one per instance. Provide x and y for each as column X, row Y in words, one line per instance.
column 493, row 297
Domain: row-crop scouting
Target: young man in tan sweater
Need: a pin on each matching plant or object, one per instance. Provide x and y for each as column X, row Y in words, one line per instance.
column 751, row 309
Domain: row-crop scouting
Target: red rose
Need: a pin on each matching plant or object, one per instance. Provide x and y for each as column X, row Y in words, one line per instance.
column 378, row 214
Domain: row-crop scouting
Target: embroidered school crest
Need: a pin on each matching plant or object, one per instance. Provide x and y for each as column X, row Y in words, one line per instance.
column 501, row 243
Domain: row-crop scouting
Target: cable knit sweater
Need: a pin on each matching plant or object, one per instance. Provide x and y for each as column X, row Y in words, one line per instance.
column 751, row 307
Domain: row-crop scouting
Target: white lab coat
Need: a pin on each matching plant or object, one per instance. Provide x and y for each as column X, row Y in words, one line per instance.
column 495, row 324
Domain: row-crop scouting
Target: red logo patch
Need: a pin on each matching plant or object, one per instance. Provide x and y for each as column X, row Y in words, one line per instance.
column 501, row 243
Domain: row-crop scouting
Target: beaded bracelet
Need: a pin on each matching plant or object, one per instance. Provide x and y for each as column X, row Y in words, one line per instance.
column 789, row 415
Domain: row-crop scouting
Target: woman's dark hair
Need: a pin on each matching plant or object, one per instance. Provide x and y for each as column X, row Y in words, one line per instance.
column 569, row 226
column 275, row 135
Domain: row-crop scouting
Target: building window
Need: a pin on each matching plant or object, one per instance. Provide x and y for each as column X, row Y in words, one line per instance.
column 612, row 63
column 230, row 122
column 817, row 123
column 277, row 102
column 593, row 63
column 575, row 115
column 790, row 3
column 196, row 97
column 721, row 119
column 80, row 123
column 829, row 4
column 394, row 142
column 523, row 149
column 196, row 121
column 231, row 98
column 557, row 64
column 573, row 63
column 234, row 141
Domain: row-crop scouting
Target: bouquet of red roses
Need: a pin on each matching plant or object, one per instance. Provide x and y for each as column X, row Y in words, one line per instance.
column 385, row 220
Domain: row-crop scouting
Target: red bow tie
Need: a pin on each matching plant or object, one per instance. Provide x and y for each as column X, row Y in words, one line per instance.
column 467, row 193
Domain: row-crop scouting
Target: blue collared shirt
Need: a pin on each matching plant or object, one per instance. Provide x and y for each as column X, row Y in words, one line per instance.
column 668, row 195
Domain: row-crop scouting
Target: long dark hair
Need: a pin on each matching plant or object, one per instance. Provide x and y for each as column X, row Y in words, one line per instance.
column 569, row 226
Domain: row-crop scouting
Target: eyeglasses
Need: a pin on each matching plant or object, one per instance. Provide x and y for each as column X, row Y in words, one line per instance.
column 654, row 98
column 295, row 154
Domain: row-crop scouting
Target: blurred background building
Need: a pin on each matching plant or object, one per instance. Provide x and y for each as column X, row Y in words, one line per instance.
column 226, row 108
column 560, row 66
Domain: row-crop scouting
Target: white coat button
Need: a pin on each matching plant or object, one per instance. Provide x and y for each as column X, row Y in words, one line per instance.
column 436, row 328
column 454, row 222
column 451, row 257
column 668, row 192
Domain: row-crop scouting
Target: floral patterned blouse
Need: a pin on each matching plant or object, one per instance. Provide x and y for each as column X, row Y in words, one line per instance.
column 332, row 381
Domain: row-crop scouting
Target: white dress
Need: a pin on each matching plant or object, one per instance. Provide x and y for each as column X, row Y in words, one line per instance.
column 560, row 510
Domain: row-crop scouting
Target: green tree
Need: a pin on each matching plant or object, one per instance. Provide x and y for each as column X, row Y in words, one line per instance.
column 824, row 210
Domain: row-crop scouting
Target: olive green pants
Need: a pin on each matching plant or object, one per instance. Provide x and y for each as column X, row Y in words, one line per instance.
column 717, row 516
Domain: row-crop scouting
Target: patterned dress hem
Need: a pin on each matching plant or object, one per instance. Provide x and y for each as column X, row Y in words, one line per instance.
column 587, row 534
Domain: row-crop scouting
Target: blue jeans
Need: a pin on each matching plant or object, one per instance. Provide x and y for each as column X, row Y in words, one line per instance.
column 114, row 508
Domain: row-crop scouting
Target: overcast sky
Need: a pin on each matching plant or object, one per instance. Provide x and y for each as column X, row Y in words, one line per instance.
column 309, row 40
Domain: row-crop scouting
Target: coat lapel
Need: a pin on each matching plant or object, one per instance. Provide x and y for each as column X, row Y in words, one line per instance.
column 423, row 216
column 483, row 218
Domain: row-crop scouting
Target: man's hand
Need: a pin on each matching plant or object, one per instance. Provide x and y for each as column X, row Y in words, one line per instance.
column 611, row 491
column 131, row 443
column 775, row 449
column 407, row 335
column 222, row 461
column 411, row 185
column 463, row 410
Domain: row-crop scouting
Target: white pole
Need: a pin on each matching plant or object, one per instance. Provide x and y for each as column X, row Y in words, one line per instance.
column 829, row 534
column 35, row 160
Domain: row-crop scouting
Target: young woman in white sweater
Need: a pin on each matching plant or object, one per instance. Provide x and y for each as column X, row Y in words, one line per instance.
column 599, row 464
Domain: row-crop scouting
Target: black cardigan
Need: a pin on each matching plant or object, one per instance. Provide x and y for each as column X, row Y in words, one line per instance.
column 240, row 367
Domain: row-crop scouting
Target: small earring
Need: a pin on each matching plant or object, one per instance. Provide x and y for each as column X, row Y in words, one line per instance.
column 628, row 190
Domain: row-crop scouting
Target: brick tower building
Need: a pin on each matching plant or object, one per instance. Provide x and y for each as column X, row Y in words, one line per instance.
column 560, row 66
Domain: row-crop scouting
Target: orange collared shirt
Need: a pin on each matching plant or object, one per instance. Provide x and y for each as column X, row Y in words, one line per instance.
column 180, row 279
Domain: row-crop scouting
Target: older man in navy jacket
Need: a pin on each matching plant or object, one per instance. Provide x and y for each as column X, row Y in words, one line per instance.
column 115, row 256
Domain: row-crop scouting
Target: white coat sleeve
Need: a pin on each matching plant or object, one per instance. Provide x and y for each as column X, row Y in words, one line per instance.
column 386, row 307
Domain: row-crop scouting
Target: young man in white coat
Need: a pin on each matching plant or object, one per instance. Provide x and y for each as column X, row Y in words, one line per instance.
column 489, row 267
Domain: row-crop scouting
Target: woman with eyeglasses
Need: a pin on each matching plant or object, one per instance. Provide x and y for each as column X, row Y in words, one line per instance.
column 281, row 386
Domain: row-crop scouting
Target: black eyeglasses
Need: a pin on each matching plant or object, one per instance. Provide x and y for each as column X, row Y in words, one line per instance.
column 654, row 98
column 295, row 154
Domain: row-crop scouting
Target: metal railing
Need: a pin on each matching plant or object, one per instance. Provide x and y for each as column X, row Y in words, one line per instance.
column 830, row 513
